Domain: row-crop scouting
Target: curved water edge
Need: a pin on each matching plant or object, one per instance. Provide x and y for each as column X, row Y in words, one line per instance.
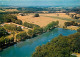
column 26, row 48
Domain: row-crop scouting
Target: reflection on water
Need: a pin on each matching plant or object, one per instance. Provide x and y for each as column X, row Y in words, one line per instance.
column 30, row 41
column 26, row 48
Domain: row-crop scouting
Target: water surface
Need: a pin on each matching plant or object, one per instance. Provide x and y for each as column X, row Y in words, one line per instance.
column 26, row 48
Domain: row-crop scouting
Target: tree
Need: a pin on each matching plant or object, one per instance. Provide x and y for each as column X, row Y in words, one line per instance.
column 29, row 25
column 30, row 33
column 51, row 26
column 72, row 15
column 12, row 27
column 19, row 28
column 37, row 30
column 78, row 30
column 67, row 24
column 36, row 15
column 21, row 36
column 75, row 17
column 61, row 46
column 18, row 22
column 9, row 18
column 71, row 23
column 3, row 32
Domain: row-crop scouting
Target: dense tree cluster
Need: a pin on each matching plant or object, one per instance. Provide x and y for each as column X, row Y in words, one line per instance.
column 22, row 36
column 9, row 18
column 29, row 25
column 31, row 33
column 36, row 15
column 4, row 42
column 12, row 27
column 71, row 23
column 18, row 22
column 1, row 18
column 78, row 30
column 36, row 31
column 61, row 46
column 50, row 26
column 3, row 32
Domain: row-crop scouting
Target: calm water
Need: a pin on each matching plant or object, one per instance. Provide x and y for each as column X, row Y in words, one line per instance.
column 26, row 48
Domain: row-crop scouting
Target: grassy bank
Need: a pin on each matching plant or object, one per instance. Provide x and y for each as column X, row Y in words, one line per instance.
column 17, row 36
column 61, row 46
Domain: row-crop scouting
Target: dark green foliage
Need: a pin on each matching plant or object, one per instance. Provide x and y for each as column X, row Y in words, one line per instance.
column 9, row 18
column 51, row 26
column 19, row 28
column 36, row 15
column 62, row 46
column 4, row 42
column 18, row 22
column 36, row 31
column 30, row 33
column 1, row 18
column 78, row 30
column 13, row 20
column 12, row 27
column 67, row 23
column 29, row 25
column 22, row 36
column 3, row 32
column 75, row 17
column 71, row 23
column 11, row 40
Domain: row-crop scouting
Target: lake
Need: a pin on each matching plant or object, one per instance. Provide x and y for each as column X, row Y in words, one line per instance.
column 26, row 48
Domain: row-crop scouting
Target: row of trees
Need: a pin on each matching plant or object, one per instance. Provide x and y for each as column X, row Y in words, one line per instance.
column 22, row 36
column 36, row 30
column 61, row 46
column 71, row 23
column 51, row 25
column 29, row 25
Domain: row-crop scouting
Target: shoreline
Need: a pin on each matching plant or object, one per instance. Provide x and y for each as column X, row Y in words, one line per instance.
column 11, row 44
